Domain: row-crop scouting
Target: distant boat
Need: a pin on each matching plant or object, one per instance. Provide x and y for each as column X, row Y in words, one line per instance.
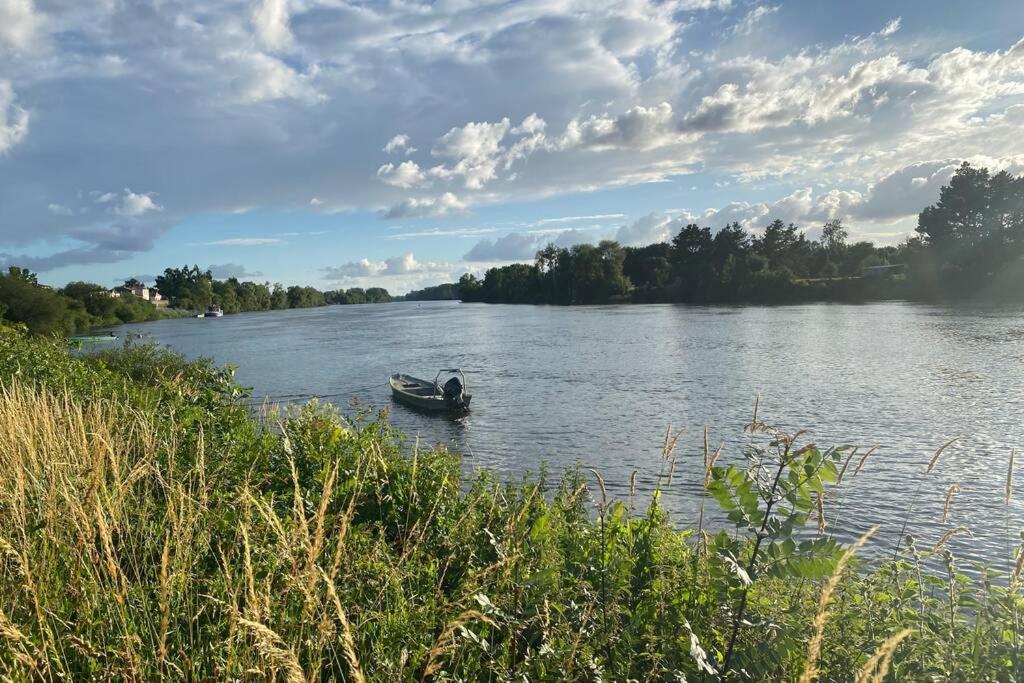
column 214, row 312
column 449, row 397
column 92, row 338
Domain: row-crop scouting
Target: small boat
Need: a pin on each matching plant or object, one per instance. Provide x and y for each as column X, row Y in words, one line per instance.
column 92, row 338
column 214, row 312
column 452, row 396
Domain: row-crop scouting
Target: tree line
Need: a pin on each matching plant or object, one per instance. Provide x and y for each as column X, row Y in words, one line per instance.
column 969, row 242
column 444, row 292
column 77, row 307
column 190, row 288
column 81, row 306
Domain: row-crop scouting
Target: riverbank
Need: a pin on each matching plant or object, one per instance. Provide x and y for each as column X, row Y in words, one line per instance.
column 153, row 527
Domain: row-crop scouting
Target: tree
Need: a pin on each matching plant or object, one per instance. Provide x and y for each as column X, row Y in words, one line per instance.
column 691, row 265
column 469, row 287
column 833, row 236
column 23, row 274
column 42, row 310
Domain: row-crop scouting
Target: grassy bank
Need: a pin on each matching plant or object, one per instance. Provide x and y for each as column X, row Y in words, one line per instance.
column 152, row 527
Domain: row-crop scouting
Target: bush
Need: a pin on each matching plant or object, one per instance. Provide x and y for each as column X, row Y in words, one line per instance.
column 151, row 526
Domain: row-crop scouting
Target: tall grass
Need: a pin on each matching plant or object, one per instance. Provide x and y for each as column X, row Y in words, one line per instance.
column 152, row 528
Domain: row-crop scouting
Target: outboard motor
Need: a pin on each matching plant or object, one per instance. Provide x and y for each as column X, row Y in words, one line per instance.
column 454, row 396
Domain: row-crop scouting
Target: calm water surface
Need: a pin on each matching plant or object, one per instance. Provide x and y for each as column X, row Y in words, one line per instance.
column 597, row 387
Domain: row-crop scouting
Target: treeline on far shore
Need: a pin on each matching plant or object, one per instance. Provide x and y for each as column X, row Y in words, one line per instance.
column 969, row 243
column 196, row 290
column 81, row 306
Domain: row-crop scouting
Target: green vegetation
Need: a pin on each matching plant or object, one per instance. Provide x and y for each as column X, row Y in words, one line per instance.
column 195, row 289
column 445, row 292
column 970, row 243
column 81, row 306
column 151, row 527
column 78, row 307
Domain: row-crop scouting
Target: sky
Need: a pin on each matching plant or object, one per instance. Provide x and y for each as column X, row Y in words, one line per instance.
column 401, row 144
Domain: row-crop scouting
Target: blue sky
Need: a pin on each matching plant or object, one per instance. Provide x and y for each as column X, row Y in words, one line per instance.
column 400, row 144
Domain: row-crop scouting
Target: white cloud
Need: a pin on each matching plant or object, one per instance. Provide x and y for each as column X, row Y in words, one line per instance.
column 398, row 143
column 399, row 267
column 136, row 204
column 406, row 175
column 475, row 147
column 59, row 210
column 284, row 101
column 437, row 232
column 361, row 268
column 223, row 271
column 639, row 128
column 129, row 204
column 18, row 23
column 418, row 207
column 654, row 227
column 13, row 119
column 238, row 242
column 751, row 19
column 270, row 19
column 892, row 27
column 523, row 246
column 905, row 191
column 515, row 246
column 573, row 219
column 264, row 78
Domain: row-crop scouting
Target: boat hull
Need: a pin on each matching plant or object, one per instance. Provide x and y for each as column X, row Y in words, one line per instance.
column 420, row 394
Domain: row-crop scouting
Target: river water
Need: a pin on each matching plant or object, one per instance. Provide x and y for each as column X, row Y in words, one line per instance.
column 598, row 386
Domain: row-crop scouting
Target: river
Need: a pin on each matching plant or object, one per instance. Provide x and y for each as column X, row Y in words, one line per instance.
column 598, row 386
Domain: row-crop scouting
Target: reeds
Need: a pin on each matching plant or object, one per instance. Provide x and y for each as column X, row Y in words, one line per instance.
column 188, row 541
column 821, row 617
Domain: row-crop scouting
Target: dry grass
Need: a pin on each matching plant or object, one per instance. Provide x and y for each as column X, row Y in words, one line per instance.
column 818, row 627
column 134, row 547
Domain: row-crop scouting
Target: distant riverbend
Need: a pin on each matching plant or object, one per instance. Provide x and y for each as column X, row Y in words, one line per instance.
column 597, row 386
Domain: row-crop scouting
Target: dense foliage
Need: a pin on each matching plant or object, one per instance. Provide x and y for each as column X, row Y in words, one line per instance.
column 81, row 306
column 970, row 242
column 444, row 292
column 152, row 528
column 193, row 289
column 77, row 307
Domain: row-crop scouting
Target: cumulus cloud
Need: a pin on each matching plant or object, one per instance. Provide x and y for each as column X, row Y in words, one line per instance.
column 523, row 246
column 418, row 207
column 223, row 271
column 398, row 143
column 515, row 246
column 13, row 119
column 654, row 227
column 128, row 203
column 405, row 175
column 270, row 20
column 59, row 210
column 639, row 128
column 285, row 100
column 402, row 265
column 906, row 190
column 18, row 23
